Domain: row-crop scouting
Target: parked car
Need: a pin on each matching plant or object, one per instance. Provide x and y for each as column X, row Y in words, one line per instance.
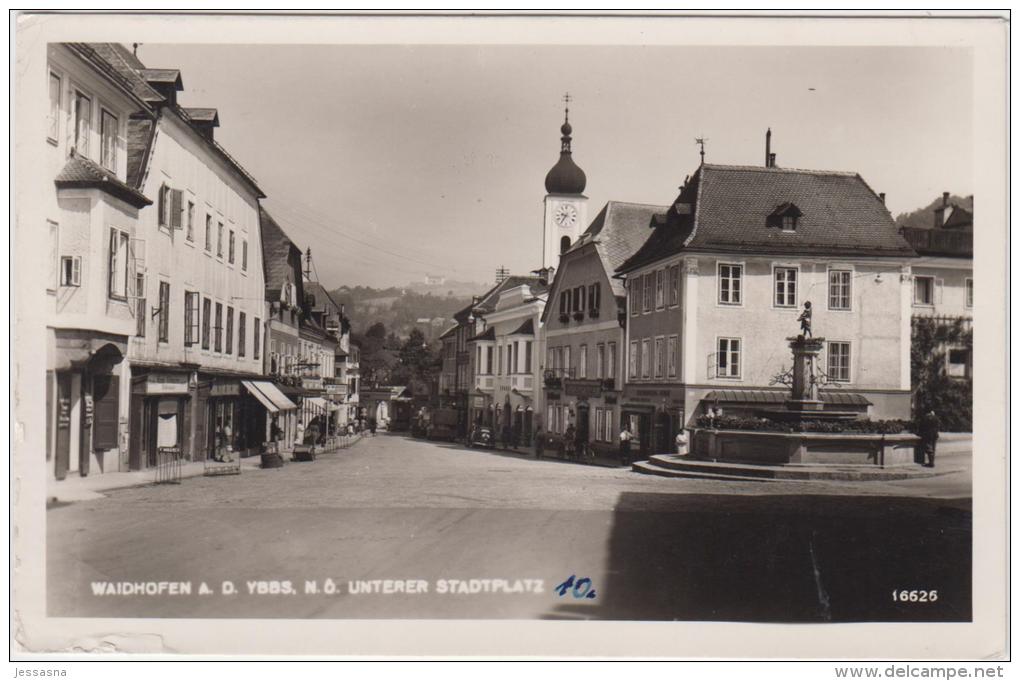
column 481, row 436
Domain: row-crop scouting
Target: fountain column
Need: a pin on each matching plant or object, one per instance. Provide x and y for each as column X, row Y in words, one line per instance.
column 804, row 396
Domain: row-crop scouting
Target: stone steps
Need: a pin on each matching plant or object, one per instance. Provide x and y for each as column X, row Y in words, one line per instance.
column 681, row 467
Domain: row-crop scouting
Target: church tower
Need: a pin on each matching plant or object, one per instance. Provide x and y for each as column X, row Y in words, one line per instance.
column 566, row 206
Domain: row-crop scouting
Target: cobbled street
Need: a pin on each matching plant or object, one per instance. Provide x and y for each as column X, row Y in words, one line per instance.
column 424, row 514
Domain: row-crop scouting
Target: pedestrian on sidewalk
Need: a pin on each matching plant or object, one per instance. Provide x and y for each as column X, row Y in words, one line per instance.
column 928, row 430
column 625, row 437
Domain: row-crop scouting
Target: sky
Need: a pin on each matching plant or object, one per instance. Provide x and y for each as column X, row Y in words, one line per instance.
column 393, row 161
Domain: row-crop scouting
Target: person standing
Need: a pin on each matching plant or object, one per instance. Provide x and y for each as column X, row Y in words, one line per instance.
column 625, row 437
column 299, row 438
column 681, row 443
column 929, row 433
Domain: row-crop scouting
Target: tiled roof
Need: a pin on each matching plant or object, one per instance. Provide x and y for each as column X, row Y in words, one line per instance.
column 778, row 397
column 80, row 172
column 618, row 231
column 525, row 329
column 276, row 255
column 840, row 216
column 141, row 132
column 126, row 65
column 321, row 294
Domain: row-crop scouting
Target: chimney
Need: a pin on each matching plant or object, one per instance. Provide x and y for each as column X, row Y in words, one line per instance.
column 768, row 148
column 772, row 160
column 945, row 199
column 881, row 197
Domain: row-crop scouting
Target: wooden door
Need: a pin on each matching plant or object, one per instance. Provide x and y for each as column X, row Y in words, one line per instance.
column 62, row 451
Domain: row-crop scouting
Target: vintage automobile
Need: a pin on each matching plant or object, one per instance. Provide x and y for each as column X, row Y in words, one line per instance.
column 481, row 436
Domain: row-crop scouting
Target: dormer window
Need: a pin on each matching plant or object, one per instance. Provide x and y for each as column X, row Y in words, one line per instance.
column 784, row 217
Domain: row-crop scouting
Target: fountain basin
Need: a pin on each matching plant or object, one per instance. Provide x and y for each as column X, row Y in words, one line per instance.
column 764, row 447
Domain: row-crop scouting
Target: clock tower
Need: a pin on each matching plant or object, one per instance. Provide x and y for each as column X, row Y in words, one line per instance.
column 566, row 206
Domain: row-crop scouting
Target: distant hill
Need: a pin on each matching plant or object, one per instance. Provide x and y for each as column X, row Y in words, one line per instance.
column 402, row 309
column 925, row 217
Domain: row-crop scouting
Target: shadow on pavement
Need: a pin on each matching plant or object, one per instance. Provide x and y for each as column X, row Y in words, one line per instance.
column 792, row 558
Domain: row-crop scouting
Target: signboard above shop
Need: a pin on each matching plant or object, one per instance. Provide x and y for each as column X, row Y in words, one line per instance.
column 163, row 383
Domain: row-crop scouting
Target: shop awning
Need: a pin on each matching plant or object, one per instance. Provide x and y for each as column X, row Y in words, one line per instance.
column 271, row 398
column 317, row 403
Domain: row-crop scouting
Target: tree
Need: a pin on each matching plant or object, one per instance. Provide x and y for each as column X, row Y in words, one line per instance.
column 950, row 397
column 417, row 362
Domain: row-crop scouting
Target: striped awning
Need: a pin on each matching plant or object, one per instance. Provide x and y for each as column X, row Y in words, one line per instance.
column 779, row 397
column 272, row 399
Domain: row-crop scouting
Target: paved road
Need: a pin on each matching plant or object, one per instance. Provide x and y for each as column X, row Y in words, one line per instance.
column 509, row 529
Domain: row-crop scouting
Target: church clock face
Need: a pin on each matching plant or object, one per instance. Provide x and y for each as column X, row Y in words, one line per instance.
column 565, row 215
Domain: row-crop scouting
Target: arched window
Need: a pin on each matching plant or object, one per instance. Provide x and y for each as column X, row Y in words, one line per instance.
column 564, row 244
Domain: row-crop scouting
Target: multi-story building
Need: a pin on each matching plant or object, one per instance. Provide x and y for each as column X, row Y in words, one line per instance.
column 195, row 279
column 455, row 379
column 717, row 288
column 92, row 219
column 943, row 278
column 583, row 326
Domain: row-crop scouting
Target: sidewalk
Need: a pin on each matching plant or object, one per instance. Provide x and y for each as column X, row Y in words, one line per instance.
column 77, row 488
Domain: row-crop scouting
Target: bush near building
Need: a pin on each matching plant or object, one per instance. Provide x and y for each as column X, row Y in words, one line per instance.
column 950, row 396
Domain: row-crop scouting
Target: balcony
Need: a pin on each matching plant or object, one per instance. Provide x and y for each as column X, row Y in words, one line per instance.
column 944, row 242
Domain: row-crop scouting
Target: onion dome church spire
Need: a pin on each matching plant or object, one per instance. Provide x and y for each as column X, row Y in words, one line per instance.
column 565, row 177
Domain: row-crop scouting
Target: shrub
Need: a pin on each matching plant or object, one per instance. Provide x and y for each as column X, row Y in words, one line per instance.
column 951, row 398
column 862, row 426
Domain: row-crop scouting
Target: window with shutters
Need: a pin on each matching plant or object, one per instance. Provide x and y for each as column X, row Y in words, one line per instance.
column 256, row 338
column 206, row 322
column 242, row 328
column 218, row 329
column 728, row 358
column 141, row 305
column 230, row 247
column 82, row 123
column 600, row 360
column 70, row 270
column 649, row 301
column 118, row 264
column 190, row 222
column 108, row 131
column 646, row 358
column 924, row 290
column 163, row 201
column 208, row 233
column 839, row 289
column 634, row 295
column 594, row 300
column 660, row 357
column 164, row 312
column 219, row 239
column 632, row 360
column 582, row 362
column 191, row 320
column 230, row 331
column 53, row 129
column 674, row 285
column 244, row 255
column 660, row 289
column 785, row 282
column 730, row 289
column 611, row 361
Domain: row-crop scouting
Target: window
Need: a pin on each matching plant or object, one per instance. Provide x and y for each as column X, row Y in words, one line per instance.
column 674, row 285
column 579, row 299
column 728, row 358
column 164, row 312
column 230, row 248
column 729, row 283
column 958, row 363
column 82, row 123
column 594, row 300
column 660, row 357
column 206, row 322
column 838, row 361
column 208, row 232
column 649, row 291
column 118, row 264
column 646, row 358
column 839, row 289
column 566, row 361
column 599, row 422
column 219, row 240
column 70, row 270
column 969, row 286
column 488, row 360
column 242, row 329
column 218, row 329
column 660, row 289
column 527, row 357
column 499, row 357
column 924, row 290
column 564, row 303
column 672, row 346
column 244, row 255
column 785, row 286
column 141, row 308
column 108, row 129
column 230, row 331
column 611, row 361
column 190, row 234
column 582, row 362
column 190, row 318
column 789, row 223
column 54, row 122
column 600, row 360
column 634, row 295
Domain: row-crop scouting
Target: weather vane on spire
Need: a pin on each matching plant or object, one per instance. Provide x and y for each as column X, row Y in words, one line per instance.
column 566, row 106
column 701, row 141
